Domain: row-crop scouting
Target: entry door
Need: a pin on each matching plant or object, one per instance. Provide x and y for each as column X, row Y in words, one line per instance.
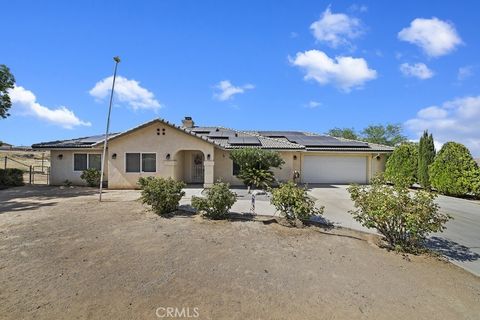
column 197, row 167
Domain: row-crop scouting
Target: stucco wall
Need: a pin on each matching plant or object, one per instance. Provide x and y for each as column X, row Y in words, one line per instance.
column 148, row 141
column 62, row 169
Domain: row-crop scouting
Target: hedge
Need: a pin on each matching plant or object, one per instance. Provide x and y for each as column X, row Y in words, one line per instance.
column 11, row 177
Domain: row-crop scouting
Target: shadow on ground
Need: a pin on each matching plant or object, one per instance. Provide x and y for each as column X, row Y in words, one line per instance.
column 451, row 249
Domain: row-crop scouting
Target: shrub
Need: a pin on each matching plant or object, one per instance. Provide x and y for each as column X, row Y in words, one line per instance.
column 402, row 165
column 426, row 156
column 294, row 203
column 11, row 177
column 217, row 203
column 91, row 177
column 454, row 172
column 162, row 194
column 403, row 218
column 255, row 166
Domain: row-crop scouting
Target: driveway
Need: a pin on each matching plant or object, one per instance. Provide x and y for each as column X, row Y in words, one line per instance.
column 460, row 242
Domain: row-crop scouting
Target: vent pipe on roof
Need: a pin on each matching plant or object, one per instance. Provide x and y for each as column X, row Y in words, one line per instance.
column 188, row 122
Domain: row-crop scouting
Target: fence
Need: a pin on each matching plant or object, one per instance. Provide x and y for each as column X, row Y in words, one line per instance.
column 32, row 174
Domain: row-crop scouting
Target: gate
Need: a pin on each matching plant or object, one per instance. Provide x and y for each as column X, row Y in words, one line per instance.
column 32, row 173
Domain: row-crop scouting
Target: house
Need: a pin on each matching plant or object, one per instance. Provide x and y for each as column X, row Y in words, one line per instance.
column 200, row 155
column 5, row 146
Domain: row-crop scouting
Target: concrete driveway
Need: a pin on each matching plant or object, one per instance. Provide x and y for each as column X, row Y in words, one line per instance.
column 460, row 242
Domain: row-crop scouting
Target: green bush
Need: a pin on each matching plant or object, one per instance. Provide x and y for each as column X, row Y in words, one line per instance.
column 255, row 166
column 454, row 172
column 294, row 203
column 402, row 217
column 91, row 177
column 218, row 201
column 426, row 156
column 162, row 194
column 11, row 177
column 402, row 165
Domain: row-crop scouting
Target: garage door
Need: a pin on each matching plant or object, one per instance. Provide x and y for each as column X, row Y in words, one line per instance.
column 323, row 169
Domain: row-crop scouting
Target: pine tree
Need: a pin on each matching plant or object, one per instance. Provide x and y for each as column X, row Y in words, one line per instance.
column 426, row 156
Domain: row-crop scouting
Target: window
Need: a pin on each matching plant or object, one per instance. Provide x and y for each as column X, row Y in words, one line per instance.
column 149, row 162
column 141, row 162
column 236, row 168
column 79, row 162
column 82, row 161
column 132, row 162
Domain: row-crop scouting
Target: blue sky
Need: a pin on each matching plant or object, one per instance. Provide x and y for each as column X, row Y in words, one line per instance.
column 303, row 65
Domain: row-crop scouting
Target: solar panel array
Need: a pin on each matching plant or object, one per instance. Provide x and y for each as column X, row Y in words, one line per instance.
column 244, row 141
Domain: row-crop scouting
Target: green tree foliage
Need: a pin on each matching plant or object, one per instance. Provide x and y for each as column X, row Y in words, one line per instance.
column 346, row 133
column 404, row 218
column 294, row 203
column 91, row 177
column 454, row 172
column 11, row 178
column 162, row 194
column 7, row 81
column 218, row 201
column 255, row 165
column 426, row 156
column 402, row 165
column 389, row 135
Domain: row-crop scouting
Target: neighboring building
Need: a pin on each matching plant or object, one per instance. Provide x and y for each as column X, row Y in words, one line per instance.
column 200, row 155
column 5, row 146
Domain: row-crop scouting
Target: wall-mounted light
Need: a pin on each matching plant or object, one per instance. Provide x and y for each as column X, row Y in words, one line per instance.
column 114, row 156
column 377, row 156
column 294, row 157
column 168, row 156
column 208, row 156
column 60, row 156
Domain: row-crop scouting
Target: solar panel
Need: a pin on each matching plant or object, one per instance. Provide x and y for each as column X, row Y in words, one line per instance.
column 280, row 134
column 222, row 134
column 244, row 141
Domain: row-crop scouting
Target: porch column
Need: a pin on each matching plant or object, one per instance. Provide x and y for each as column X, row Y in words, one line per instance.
column 170, row 168
column 208, row 173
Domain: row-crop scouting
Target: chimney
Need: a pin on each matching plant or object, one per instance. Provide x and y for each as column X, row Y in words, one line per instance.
column 188, row 122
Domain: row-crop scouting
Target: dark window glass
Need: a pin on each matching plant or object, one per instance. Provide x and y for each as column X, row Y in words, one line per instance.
column 79, row 162
column 95, row 161
column 236, row 168
column 149, row 162
column 132, row 162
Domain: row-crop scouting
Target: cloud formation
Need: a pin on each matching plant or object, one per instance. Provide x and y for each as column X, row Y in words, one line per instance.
column 62, row 116
column 336, row 29
column 126, row 91
column 345, row 73
column 417, row 70
column 434, row 36
column 464, row 73
column 455, row 120
column 226, row 90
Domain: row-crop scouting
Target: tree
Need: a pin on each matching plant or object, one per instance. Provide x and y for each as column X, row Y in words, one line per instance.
column 255, row 165
column 390, row 135
column 426, row 156
column 454, row 171
column 402, row 165
column 7, row 81
column 346, row 133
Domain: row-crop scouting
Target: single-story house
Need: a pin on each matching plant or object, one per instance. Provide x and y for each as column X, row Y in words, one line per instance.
column 5, row 146
column 200, row 155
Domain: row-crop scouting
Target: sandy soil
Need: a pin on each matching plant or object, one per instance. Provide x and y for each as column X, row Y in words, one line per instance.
column 65, row 256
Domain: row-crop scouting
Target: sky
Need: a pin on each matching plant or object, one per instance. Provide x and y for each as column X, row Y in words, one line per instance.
column 284, row 65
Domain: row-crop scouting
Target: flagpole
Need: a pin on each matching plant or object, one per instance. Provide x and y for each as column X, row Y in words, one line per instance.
column 117, row 61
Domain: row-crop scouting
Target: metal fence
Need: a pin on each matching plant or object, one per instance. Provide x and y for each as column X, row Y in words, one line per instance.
column 32, row 174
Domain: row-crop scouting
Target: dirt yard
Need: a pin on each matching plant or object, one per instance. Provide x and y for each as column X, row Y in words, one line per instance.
column 65, row 256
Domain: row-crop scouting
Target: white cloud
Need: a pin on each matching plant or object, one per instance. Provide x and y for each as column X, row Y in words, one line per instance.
column 418, row 70
column 336, row 28
column 434, row 36
column 62, row 116
column 343, row 72
column 126, row 91
column 313, row 104
column 455, row 120
column 226, row 90
column 464, row 73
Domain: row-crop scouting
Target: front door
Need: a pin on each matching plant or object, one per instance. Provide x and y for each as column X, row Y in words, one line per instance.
column 197, row 167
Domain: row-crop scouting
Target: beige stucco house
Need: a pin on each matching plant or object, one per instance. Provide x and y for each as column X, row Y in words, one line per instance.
column 200, row 155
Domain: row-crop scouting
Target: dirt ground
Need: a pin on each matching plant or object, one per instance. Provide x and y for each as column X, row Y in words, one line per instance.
column 65, row 256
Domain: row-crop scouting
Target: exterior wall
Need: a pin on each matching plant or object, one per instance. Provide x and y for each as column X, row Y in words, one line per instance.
column 378, row 165
column 175, row 142
column 62, row 169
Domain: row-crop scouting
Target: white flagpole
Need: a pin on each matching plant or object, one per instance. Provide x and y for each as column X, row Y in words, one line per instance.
column 117, row 60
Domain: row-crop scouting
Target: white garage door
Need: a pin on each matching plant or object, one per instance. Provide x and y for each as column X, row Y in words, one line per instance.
column 324, row 169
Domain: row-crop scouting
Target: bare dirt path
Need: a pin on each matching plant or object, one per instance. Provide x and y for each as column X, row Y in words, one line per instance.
column 65, row 256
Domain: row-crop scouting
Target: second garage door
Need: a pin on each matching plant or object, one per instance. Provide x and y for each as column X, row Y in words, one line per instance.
column 333, row 169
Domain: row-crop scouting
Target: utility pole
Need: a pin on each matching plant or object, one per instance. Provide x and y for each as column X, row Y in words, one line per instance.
column 117, row 61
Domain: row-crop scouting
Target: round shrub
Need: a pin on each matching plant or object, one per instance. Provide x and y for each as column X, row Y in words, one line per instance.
column 162, row 194
column 91, row 177
column 402, row 165
column 218, row 201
